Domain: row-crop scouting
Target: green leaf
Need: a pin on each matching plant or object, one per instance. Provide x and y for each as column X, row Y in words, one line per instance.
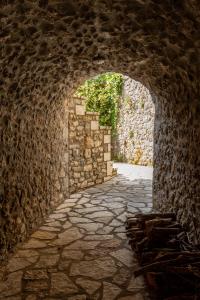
column 102, row 94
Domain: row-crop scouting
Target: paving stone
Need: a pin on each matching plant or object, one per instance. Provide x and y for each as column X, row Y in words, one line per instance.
column 73, row 214
column 98, row 269
column 120, row 229
column 62, row 219
column 76, row 196
column 43, row 235
column 72, row 254
column 79, row 220
column 67, row 236
column 36, row 285
column 110, row 291
column 96, row 253
column 113, row 243
column 11, row 286
column 114, row 205
column 115, row 223
column 90, row 209
column 90, row 226
column 136, row 283
column 63, row 265
column 122, row 217
column 122, row 276
column 33, row 243
column 35, row 275
column 53, row 224
column 61, row 285
column 83, row 200
column 118, row 199
column 70, row 201
column 64, row 210
column 93, row 190
column 26, row 253
column 19, row 263
column 90, row 249
column 57, row 215
column 67, row 225
column 121, row 235
column 53, row 229
column 99, row 214
column 96, row 202
column 65, row 205
column 89, row 205
column 90, row 286
column 86, row 195
column 47, row 261
column 146, row 209
column 50, row 250
column 105, row 230
column 105, row 220
column 132, row 209
column 83, row 245
column 138, row 204
column 98, row 237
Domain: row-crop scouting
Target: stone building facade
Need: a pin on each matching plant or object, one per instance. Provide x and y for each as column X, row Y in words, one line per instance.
column 133, row 141
column 89, row 148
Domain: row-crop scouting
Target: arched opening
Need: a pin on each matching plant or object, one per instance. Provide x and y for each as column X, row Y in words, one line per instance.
column 111, row 119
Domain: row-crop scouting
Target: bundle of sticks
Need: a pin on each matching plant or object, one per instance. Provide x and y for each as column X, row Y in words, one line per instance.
column 169, row 262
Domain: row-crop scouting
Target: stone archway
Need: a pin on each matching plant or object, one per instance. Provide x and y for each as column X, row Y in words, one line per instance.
column 48, row 48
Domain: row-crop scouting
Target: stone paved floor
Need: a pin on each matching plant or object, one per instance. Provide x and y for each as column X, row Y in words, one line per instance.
column 81, row 251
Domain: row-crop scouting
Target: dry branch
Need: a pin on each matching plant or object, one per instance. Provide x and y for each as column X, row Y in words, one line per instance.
column 170, row 263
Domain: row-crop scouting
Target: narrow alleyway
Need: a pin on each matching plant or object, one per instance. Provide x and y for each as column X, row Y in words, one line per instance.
column 81, row 251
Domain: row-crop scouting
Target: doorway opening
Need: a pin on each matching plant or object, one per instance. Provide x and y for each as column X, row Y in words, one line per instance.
column 111, row 120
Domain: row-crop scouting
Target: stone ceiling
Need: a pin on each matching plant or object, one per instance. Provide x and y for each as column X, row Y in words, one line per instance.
column 48, row 47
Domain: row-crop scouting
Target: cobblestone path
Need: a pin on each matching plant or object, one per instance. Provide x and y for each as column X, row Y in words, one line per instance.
column 81, row 251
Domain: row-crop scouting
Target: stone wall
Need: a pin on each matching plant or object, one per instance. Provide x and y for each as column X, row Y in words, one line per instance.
column 177, row 163
column 134, row 138
column 33, row 169
column 89, row 148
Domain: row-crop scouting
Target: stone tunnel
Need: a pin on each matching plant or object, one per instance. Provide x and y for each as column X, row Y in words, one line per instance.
column 47, row 49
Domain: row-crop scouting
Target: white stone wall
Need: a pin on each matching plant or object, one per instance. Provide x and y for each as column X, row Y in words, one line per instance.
column 134, row 139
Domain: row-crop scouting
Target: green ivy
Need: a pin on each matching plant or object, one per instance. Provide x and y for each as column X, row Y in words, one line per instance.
column 102, row 95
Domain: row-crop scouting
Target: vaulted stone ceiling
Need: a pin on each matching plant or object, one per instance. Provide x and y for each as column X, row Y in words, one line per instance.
column 47, row 49
column 47, row 44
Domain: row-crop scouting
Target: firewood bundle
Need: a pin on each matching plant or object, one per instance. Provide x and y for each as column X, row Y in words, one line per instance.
column 169, row 262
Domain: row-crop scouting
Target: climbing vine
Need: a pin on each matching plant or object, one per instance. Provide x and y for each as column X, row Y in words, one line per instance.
column 102, row 94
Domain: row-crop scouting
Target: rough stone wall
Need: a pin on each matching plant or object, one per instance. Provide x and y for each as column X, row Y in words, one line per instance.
column 134, row 137
column 33, row 169
column 177, row 173
column 50, row 47
column 89, row 148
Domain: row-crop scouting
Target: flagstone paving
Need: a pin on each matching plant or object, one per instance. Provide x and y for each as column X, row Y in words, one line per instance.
column 81, row 251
